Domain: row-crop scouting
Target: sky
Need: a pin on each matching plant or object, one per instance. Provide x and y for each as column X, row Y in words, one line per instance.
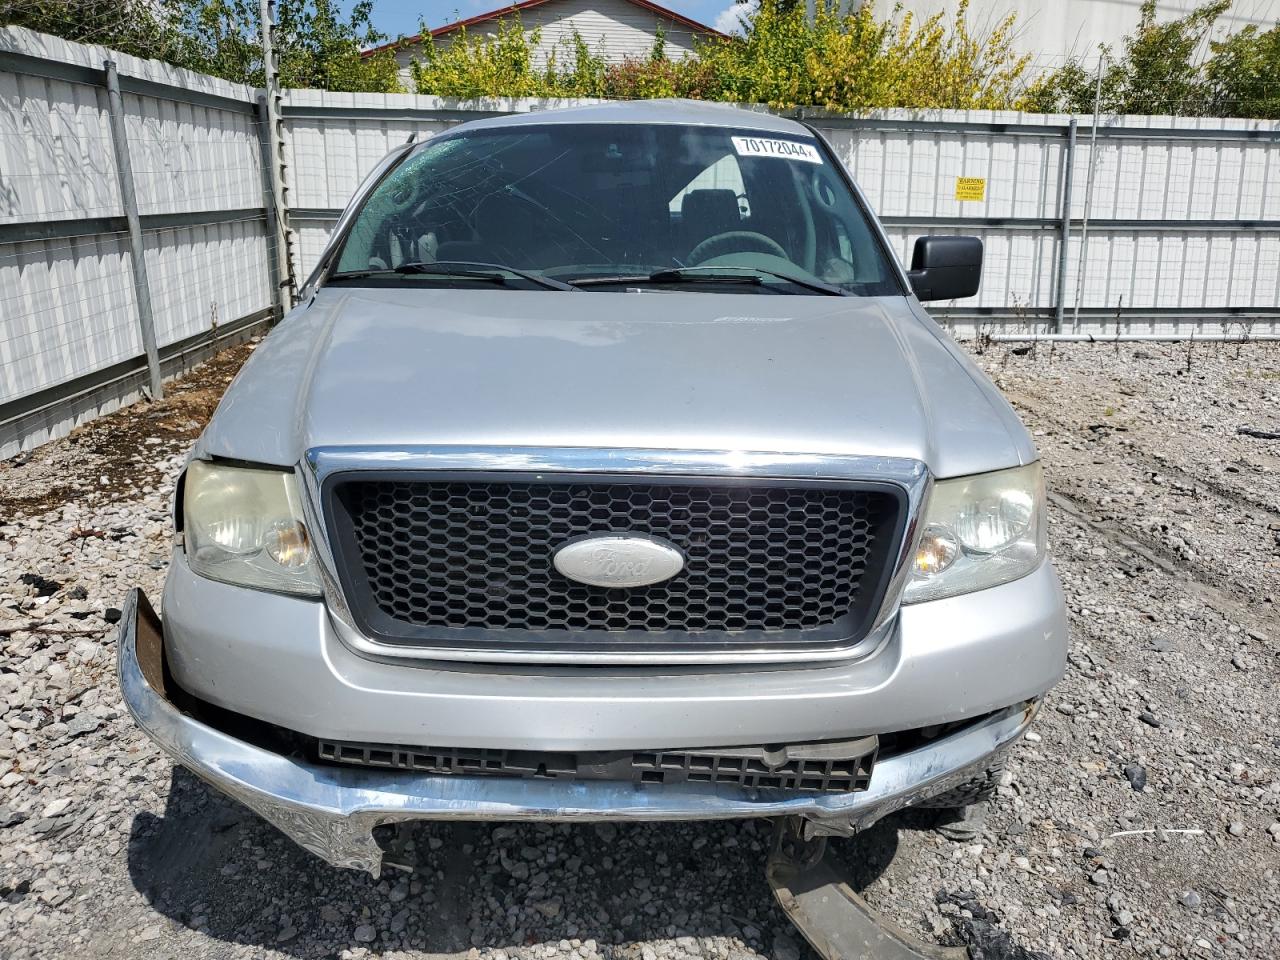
column 395, row 17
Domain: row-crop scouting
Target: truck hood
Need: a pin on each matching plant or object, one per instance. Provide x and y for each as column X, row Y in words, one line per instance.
column 652, row 369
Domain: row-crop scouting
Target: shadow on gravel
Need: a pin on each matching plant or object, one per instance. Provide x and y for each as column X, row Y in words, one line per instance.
column 213, row 865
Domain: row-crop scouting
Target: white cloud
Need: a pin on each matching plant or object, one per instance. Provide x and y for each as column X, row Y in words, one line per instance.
column 731, row 19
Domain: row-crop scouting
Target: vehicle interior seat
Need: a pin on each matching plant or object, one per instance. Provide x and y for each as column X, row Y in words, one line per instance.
column 705, row 213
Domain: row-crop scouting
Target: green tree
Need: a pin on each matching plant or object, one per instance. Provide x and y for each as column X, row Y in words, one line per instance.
column 855, row 60
column 586, row 76
column 659, row 49
column 471, row 65
column 316, row 45
column 1243, row 75
column 1160, row 71
column 137, row 27
column 843, row 61
column 1173, row 68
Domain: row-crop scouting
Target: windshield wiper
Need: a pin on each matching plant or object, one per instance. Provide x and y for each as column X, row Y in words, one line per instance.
column 716, row 274
column 726, row 272
column 471, row 270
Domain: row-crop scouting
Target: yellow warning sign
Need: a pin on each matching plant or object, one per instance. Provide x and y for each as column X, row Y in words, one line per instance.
column 971, row 188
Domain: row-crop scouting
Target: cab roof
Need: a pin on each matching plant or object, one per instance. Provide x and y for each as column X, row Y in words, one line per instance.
column 688, row 112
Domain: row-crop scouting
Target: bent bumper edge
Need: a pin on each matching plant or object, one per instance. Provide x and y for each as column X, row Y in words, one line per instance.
column 331, row 811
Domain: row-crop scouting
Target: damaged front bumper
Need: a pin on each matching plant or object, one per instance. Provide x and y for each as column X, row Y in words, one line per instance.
column 332, row 811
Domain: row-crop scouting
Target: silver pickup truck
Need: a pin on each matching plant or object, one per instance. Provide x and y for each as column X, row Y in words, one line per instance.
column 608, row 468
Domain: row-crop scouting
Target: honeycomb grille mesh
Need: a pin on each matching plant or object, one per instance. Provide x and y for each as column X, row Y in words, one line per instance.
column 478, row 554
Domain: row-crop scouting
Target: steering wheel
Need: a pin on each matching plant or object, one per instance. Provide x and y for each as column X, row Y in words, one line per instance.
column 735, row 241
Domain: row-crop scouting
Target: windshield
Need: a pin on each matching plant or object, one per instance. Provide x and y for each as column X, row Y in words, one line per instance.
column 604, row 206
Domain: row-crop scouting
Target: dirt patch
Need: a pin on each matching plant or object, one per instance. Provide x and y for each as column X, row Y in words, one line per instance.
column 117, row 456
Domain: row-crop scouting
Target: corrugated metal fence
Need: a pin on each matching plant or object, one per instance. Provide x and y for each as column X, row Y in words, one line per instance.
column 70, row 346
column 1183, row 229
column 1176, row 222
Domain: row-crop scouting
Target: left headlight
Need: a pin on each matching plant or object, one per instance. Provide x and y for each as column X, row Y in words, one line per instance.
column 244, row 526
column 979, row 532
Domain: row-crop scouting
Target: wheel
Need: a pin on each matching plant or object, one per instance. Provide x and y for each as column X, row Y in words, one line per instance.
column 977, row 790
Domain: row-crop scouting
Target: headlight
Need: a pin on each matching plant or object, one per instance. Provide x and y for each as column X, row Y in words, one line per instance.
column 979, row 532
column 244, row 526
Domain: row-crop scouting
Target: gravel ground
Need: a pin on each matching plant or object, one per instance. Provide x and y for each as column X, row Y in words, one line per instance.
column 1141, row 816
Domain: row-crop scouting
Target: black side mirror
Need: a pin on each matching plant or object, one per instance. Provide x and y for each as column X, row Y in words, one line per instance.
column 946, row 268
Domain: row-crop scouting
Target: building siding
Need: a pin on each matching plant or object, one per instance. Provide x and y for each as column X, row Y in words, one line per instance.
column 614, row 29
column 1052, row 32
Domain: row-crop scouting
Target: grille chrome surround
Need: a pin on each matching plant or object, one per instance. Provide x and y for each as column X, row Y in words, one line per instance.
column 821, row 767
column 321, row 464
column 466, row 560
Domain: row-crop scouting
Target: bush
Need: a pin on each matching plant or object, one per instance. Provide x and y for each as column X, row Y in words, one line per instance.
column 855, row 61
column 1243, row 75
column 849, row 61
column 1162, row 70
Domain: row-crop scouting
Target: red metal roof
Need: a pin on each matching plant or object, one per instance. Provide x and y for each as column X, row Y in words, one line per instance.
column 527, row 4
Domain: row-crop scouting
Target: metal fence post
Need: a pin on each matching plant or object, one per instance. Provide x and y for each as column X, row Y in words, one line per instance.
column 1068, row 169
column 270, row 110
column 269, row 204
column 137, row 253
column 1088, row 195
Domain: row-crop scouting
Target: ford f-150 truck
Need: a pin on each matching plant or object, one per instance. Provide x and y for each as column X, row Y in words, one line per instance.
column 607, row 468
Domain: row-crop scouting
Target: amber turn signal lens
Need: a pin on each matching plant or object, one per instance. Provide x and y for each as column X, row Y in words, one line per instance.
column 936, row 552
column 287, row 544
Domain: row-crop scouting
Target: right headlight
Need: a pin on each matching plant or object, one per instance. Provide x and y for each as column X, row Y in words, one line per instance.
column 979, row 532
column 243, row 525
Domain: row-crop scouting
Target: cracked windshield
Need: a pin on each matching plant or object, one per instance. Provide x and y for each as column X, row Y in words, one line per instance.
column 583, row 206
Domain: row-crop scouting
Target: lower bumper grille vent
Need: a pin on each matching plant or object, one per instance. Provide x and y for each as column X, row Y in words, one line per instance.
column 826, row 767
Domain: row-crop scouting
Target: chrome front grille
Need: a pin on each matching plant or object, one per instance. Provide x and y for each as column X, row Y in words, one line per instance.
column 465, row 560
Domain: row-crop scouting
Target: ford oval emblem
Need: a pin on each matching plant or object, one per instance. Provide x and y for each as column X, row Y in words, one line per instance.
column 618, row 560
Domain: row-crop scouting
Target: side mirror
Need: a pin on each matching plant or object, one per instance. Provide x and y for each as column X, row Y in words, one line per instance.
column 946, row 268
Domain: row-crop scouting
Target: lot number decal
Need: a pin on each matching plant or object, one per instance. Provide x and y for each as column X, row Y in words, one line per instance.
column 971, row 188
column 789, row 149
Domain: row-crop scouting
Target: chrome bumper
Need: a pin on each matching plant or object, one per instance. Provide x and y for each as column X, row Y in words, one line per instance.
column 331, row 811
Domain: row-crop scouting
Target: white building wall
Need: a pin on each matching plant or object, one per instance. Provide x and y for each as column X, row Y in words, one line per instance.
column 614, row 29
column 1052, row 32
